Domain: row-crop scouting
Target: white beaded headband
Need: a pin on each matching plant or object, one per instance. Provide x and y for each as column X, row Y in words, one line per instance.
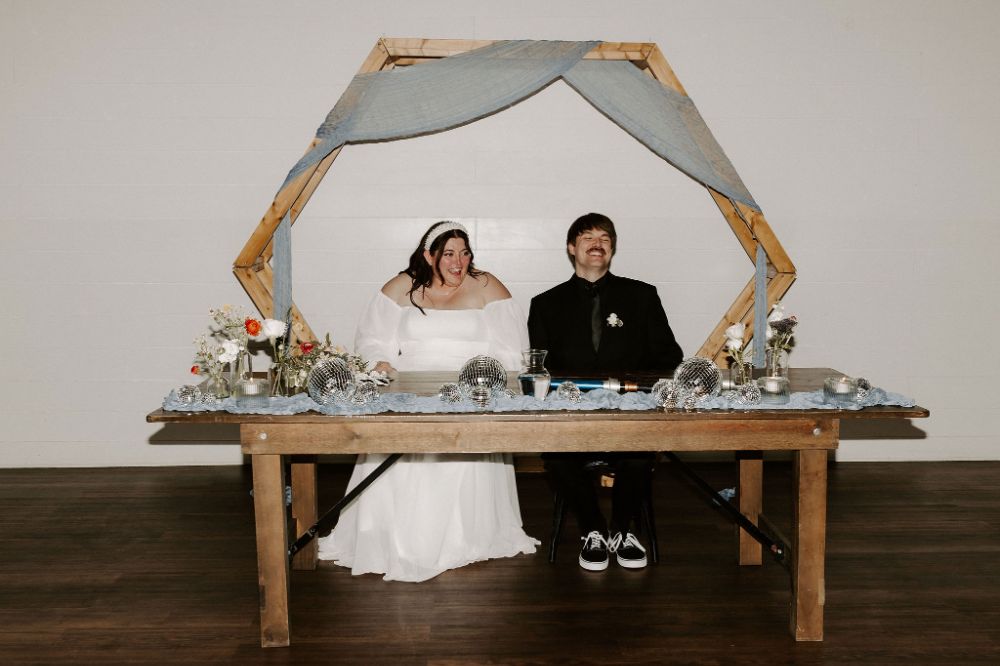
column 443, row 229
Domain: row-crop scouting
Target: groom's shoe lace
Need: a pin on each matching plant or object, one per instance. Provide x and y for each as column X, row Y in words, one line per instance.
column 628, row 551
column 594, row 554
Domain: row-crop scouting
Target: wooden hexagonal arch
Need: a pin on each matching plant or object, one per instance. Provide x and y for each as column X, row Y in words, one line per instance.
column 253, row 265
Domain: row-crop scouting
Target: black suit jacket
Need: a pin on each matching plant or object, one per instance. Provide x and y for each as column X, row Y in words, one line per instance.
column 559, row 321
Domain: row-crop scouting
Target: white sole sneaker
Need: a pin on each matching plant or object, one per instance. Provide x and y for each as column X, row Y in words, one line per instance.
column 594, row 566
column 631, row 564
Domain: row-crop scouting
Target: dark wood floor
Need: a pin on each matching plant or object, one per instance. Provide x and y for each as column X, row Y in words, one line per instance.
column 158, row 566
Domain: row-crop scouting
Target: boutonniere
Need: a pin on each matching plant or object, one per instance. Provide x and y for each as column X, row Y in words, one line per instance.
column 614, row 321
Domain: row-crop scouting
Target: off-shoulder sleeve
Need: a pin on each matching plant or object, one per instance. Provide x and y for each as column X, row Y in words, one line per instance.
column 377, row 336
column 508, row 332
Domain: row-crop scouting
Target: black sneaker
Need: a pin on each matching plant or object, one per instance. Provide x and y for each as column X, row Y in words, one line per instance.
column 628, row 551
column 594, row 554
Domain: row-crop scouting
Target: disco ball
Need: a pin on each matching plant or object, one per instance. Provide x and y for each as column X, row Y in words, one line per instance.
column 450, row 393
column 666, row 393
column 188, row 394
column 748, row 394
column 365, row 393
column 569, row 391
column 699, row 376
column 864, row 387
column 481, row 396
column 482, row 371
column 330, row 379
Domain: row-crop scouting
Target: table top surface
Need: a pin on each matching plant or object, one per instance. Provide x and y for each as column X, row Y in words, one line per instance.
column 428, row 383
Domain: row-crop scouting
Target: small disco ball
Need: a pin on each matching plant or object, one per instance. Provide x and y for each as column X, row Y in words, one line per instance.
column 699, row 376
column 665, row 393
column 482, row 371
column 864, row 387
column 691, row 401
column 188, row 394
column 748, row 394
column 481, row 396
column 365, row 393
column 450, row 393
column 330, row 380
column 569, row 391
column 209, row 399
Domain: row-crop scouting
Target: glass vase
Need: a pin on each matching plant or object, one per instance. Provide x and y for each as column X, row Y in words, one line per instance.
column 249, row 392
column 216, row 384
column 775, row 362
column 774, row 387
column 276, row 378
column 534, row 378
column 739, row 373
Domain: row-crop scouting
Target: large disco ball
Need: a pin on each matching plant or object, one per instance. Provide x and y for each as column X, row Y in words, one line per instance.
column 330, row 379
column 482, row 372
column 699, row 376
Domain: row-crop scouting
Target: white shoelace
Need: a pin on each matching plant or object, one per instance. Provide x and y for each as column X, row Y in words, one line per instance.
column 594, row 540
column 630, row 540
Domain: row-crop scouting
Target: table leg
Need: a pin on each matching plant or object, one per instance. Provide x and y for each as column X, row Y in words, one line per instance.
column 750, row 497
column 305, row 510
column 809, row 526
column 272, row 548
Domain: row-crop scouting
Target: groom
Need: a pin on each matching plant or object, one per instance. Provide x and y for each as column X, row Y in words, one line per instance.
column 597, row 323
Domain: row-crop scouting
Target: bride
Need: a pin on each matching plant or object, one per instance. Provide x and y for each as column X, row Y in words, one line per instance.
column 430, row 513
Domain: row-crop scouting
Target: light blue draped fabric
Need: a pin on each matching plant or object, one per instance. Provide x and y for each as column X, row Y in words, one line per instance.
column 442, row 94
column 661, row 119
column 281, row 263
column 759, row 307
column 597, row 399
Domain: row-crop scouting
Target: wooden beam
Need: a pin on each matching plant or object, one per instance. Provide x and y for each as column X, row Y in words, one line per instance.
column 661, row 69
column 272, row 549
column 303, row 198
column 750, row 501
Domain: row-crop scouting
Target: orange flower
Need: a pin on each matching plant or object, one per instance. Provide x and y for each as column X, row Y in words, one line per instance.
column 195, row 369
column 306, row 347
column 252, row 326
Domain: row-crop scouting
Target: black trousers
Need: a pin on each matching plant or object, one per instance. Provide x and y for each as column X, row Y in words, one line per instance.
column 570, row 475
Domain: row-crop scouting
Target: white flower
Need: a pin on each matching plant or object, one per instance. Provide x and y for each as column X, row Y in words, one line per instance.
column 272, row 329
column 734, row 344
column 777, row 313
column 614, row 321
column 229, row 351
column 735, row 332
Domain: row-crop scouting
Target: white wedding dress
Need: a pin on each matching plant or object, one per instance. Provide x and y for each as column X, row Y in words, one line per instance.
column 430, row 513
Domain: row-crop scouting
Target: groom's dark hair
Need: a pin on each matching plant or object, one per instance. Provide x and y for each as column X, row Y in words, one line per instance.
column 586, row 223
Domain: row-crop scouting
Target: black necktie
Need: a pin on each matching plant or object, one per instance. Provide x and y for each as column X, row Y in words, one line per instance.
column 596, row 323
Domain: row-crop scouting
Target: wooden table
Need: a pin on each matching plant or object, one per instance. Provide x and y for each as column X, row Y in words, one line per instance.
column 808, row 434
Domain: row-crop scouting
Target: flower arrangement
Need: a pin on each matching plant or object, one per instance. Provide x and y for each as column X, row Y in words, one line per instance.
column 739, row 353
column 292, row 363
column 232, row 330
column 614, row 321
column 780, row 328
column 229, row 333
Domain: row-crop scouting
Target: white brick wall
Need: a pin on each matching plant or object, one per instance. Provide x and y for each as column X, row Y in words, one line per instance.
column 141, row 142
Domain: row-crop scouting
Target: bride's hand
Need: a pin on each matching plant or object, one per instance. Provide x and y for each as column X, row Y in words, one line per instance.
column 386, row 367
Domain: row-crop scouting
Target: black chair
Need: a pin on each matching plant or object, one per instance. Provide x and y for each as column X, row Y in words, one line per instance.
column 647, row 521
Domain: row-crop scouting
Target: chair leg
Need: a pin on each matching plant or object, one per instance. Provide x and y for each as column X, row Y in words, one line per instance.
column 558, row 512
column 649, row 525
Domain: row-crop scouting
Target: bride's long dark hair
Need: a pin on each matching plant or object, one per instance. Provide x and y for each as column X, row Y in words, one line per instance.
column 423, row 273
